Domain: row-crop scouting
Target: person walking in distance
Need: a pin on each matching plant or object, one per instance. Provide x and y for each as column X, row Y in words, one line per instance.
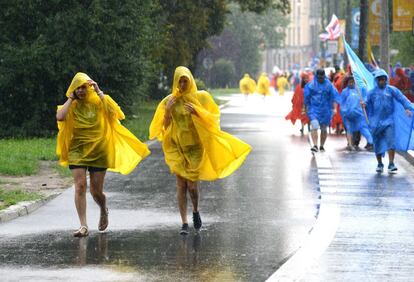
column 320, row 105
column 381, row 108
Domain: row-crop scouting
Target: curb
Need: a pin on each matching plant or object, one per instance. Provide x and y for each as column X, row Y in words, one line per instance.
column 24, row 208
column 27, row 207
column 320, row 236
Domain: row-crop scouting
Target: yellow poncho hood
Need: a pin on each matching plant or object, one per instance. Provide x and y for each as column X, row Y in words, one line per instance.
column 194, row 146
column 91, row 134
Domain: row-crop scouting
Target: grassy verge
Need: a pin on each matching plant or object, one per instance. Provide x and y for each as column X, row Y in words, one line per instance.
column 216, row 93
column 21, row 156
column 11, row 197
column 138, row 123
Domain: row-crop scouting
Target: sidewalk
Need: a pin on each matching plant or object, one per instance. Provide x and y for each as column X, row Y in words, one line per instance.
column 365, row 229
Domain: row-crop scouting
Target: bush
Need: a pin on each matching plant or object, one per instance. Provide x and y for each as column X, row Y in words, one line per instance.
column 223, row 73
column 200, row 84
column 44, row 43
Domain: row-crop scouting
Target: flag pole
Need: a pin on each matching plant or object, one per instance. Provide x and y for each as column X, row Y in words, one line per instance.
column 357, row 88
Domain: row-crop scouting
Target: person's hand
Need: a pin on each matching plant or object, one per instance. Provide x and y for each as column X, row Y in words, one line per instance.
column 95, row 87
column 190, row 108
column 170, row 104
column 362, row 103
column 72, row 96
column 408, row 113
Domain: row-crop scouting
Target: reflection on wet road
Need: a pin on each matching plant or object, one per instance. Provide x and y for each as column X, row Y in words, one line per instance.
column 253, row 220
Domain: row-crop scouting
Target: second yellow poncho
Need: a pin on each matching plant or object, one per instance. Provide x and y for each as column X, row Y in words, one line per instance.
column 247, row 84
column 263, row 85
column 194, row 146
column 91, row 134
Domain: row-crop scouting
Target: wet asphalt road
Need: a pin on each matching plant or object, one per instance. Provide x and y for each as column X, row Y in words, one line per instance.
column 253, row 220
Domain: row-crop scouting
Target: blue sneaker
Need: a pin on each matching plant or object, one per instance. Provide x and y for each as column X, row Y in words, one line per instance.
column 380, row 168
column 392, row 168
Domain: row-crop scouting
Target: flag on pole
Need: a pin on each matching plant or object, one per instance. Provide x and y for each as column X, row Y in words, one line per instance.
column 362, row 76
column 333, row 30
column 403, row 125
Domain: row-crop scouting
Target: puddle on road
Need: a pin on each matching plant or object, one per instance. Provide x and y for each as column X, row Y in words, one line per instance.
column 220, row 252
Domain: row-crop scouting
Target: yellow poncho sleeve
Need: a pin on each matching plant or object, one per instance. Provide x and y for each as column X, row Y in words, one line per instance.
column 128, row 150
column 224, row 153
column 92, row 134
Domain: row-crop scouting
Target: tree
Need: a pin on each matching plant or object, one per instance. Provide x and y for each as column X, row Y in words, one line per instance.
column 189, row 24
column 385, row 35
column 363, row 29
column 44, row 43
column 260, row 6
column 403, row 42
column 245, row 34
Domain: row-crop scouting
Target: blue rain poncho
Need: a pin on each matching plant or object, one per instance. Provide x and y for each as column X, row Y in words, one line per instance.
column 351, row 112
column 319, row 100
column 389, row 124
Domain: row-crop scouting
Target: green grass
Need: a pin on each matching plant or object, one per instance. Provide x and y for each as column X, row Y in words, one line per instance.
column 216, row 93
column 8, row 198
column 21, row 156
column 223, row 91
column 138, row 123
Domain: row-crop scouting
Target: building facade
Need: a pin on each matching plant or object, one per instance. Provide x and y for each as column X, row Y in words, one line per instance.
column 301, row 38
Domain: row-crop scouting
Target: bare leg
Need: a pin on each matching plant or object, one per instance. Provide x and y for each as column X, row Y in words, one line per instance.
column 379, row 158
column 194, row 194
column 96, row 187
column 349, row 139
column 79, row 176
column 182, row 198
column 391, row 155
column 324, row 135
column 314, row 135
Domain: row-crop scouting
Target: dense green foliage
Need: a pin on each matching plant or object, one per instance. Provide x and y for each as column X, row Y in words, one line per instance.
column 44, row 43
column 130, row 47
column 223, row 73
column 241, row 41
column 403, row 42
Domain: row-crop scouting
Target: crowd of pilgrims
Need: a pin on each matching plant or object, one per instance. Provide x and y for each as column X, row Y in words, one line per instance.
column 401, row 78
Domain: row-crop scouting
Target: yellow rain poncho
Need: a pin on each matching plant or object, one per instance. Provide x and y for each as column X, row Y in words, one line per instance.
column 282, row 84
column 194, row 146
column 247, row 84
column 263, row 85
column 91, row 134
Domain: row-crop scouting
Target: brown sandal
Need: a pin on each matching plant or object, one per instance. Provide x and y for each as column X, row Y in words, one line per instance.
column 81, row 232
column 103, row 220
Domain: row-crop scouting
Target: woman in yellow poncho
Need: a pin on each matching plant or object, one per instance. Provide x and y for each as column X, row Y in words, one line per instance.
column 247, row 85
column 263, row 85
column 187, row 123
column 282, row 84
column 92, row 138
